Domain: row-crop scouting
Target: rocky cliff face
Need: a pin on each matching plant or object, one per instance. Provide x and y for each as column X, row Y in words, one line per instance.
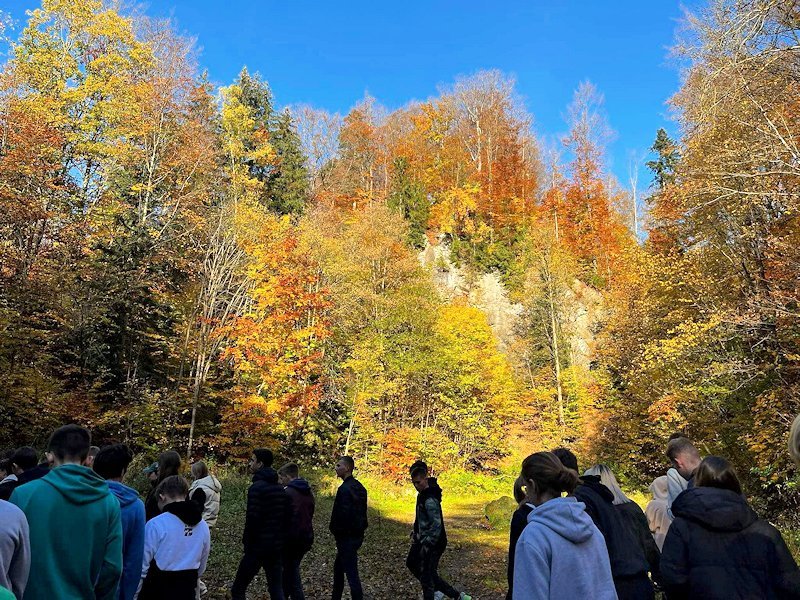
column 487, row 292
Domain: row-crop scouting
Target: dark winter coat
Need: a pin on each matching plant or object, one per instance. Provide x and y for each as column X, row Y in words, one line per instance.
column 717, row 547
column 518, row 522
column 349, row 515
column 31, row 474
column 301, row 531
column 429, row 530
column 269, row 514
column 634, row 519
column 626, row 555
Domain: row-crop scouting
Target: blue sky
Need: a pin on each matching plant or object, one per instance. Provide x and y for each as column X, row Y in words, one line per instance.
column 329, row 54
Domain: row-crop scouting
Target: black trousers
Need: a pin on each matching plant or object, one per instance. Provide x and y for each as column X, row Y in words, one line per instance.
column 423, row 563
column 292, row 581
column 638, row 587
column 249, row 567
column 346, row 564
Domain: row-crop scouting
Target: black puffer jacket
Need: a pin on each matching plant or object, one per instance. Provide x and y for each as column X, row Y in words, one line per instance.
column 624, row 551
column 269, row 514
column 717, row 547
column 349, row 515
column 429, row 521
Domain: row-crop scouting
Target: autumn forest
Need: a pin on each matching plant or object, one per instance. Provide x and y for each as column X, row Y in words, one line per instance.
column 199, row 267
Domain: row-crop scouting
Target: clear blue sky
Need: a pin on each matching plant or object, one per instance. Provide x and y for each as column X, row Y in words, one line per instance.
column 329, row 53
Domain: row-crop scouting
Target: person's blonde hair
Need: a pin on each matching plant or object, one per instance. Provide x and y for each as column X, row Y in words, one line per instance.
column 794, row 441
column 607, row 479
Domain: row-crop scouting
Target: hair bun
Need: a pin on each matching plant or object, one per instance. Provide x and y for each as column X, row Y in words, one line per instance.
column 568, row 480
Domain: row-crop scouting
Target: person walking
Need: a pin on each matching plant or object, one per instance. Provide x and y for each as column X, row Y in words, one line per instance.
column 176, row 545
column 111, row 463
column 300, row 536
column 269, row 514
column 75, row 525
column 15, row 549
column 519, row 521
column 628, row 563
column 169, row 464
column 718, row 549
column 348, row 524
column 206, row 492
column 658, row 518
column 684, row 459
column 26, row 468
column 561, row 553
column 429, row 537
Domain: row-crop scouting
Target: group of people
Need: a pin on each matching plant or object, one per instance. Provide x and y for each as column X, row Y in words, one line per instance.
column 582, row 537
column 571, row 536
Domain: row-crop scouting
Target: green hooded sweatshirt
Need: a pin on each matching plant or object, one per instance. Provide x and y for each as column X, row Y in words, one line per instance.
column 76, row 535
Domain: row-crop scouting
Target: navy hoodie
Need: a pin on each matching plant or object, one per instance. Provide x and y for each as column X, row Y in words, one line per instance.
column 132, row 512
column 301, row 531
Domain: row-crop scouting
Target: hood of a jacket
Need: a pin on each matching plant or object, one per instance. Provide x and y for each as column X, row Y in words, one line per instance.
column 210, row 482
column 186, row 510
column 123, row 493
column 433, row 490
column 33, row 473
column 565, row 517
column 593, row 482
column 301, row 485
column 714, row 508
column 659, row 488
column 77, row 484
column 267, row 474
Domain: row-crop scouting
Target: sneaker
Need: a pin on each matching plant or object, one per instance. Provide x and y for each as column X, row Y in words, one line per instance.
column 438, row 596
column 464, row 596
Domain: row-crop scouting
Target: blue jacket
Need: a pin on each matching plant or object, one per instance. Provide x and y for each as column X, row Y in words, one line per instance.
column 562, row 554
column 132, row 510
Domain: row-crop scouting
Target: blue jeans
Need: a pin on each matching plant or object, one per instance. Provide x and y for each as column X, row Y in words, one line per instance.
column 346, row 563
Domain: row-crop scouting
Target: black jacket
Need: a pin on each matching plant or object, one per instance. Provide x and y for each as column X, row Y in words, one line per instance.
column 717, row 547
column 429, row 530
column 269, row 514
column 349, row 515
column 26, row 476
column 634, row 519
column 519, row 520
column 626, row 556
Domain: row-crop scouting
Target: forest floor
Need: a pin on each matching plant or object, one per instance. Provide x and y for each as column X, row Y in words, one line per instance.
column 474, row 562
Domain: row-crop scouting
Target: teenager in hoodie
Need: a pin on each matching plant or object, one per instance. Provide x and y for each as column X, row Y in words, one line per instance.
column 561, row 553
column 429, row 538
column 269, row 513
column 176, row 545
column 718, row 549
column 628, row 562
column 15, row 549
column 658, row 518
column 75, row 526
column 26, row 468
column 348, row 524
column 518, row 522
column 205, row 491
column 300, row 536
column 111, row 463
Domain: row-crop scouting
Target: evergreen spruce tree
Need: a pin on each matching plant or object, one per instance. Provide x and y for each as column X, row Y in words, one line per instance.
column 288, row 184
column 663, row 167
column 409, row 198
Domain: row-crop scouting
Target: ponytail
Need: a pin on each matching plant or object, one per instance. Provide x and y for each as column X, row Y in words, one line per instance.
column 547, row 472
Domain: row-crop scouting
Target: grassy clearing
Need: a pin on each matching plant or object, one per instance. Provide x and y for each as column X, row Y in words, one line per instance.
column 475, row 560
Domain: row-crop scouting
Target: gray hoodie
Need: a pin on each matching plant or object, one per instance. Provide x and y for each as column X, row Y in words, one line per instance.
column 15, row 549
column 562, row 554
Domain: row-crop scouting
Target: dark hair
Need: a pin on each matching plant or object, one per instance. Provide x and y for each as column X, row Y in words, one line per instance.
column 169, row 464
column 548, row 473
column 173, row 486
column 418, row 468
column 716, row 472
column 70, row 441
column 25, row 458
column 264, row 456
column 567, row 458
column 676, row 435
column 679, row 446
column 348, row 460
column 111, row 461
column 6, row 465
column 519, row 492
column 290, row 470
